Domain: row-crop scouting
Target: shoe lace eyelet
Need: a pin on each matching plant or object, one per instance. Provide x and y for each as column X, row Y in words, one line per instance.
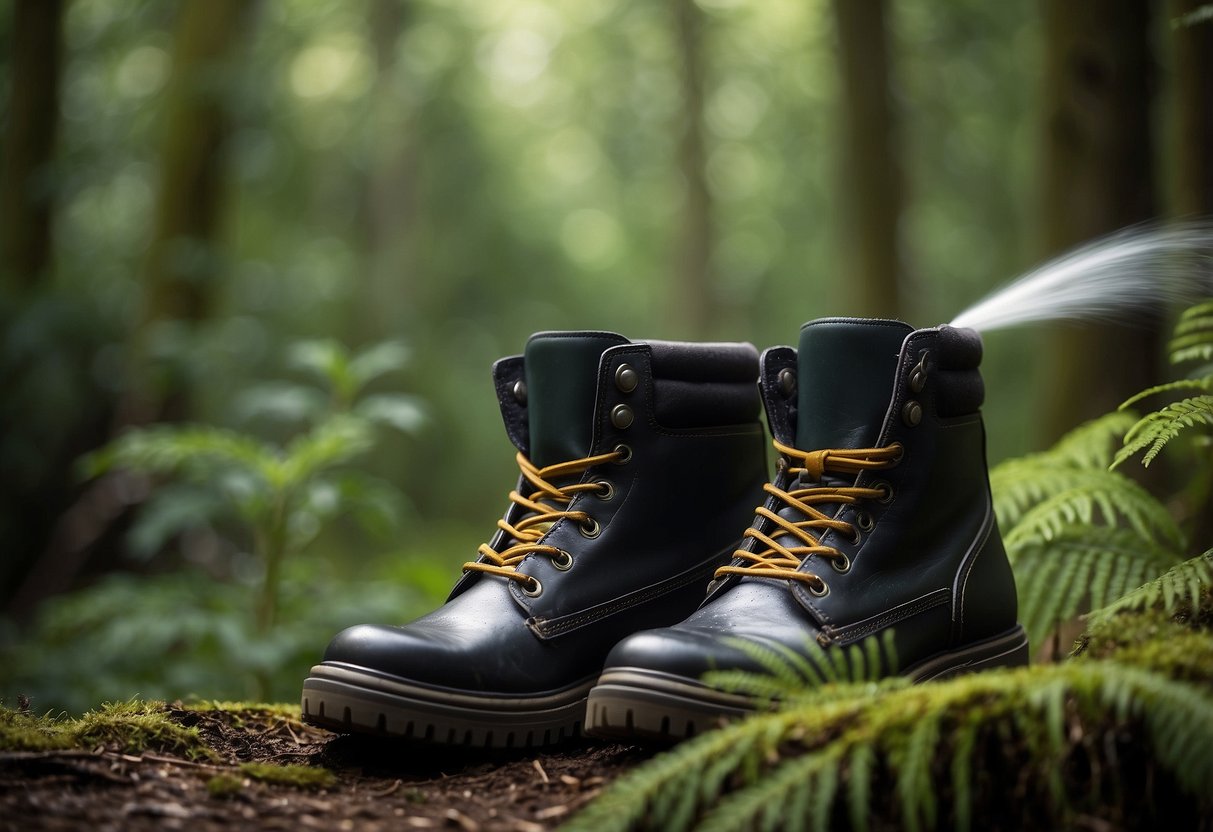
column 626, row 454
column 590, row 528
column 532, row 587
column 562, row 561
column 821, row 589
column 887, row 496
column 606, row 492
column 864, row 521
column 901, row 452
column 841, row 564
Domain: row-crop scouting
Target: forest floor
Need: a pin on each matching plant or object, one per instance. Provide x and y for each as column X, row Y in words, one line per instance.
column 349, row 783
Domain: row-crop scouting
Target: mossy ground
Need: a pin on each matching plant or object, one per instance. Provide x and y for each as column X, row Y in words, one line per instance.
column 210, row 765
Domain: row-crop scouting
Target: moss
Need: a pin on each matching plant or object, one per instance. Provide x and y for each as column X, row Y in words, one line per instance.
column 285, row 710
column 137, row 726
column 224, row 785
column 131, row 726
column 303, row 777
column 22, row 731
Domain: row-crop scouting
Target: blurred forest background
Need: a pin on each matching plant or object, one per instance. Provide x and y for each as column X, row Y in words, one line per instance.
column 203, row 200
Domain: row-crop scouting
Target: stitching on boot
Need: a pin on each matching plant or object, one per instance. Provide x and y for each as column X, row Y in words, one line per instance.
column 967, row 563
column 852, row 632
column 547, row 628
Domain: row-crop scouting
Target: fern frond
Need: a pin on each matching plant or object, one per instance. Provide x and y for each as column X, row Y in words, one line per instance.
column 1181, row 584
column 798, row 763
column 1077, row 461
column 1204, row 385
column 814, row 672
column 1154, row 431
column 1116, row 497
column 1193, row 335
column 1091, row 444
column 1079, row 568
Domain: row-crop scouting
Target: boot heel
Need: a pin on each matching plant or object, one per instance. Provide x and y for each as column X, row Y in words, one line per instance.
column 1008, row 650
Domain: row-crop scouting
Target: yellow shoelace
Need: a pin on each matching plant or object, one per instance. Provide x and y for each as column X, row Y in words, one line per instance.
column 779, row 561
column 546, row 505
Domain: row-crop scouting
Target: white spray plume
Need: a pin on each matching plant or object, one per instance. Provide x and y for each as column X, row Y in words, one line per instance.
column 1115, row 278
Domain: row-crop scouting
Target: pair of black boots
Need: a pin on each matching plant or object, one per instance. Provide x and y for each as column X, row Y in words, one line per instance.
column 641, row 464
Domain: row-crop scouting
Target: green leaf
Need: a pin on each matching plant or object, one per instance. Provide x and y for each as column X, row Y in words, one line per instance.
column 1154, row 431
column 396, row 410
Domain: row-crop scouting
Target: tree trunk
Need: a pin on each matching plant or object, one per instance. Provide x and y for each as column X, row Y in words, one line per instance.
column 391, row 186
column 1097, row 178
column 694, row 295
column 870, row 191
column 1193, row 185
column 26, row 195
column 182, row 261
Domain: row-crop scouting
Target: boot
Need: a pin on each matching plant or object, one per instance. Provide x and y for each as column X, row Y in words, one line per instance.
column 640, row 463
column 879, row 519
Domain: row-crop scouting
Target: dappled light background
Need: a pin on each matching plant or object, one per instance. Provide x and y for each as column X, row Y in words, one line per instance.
column 230, row 180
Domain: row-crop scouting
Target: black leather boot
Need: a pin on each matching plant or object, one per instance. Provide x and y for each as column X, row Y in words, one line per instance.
column 879, row 518
column 640, row 464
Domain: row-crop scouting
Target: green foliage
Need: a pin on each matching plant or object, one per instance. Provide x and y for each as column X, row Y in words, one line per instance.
column 284, row 492
column 1078, row 534
column 1154, row 431
column 1182, row 584
column 187, row 634
column 940, row 747
column 1192, row 341
column 790, row 674
column 131, row 726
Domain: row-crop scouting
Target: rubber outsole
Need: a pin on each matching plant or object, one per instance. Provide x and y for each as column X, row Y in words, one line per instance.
column 347, row 699
column 638, row 703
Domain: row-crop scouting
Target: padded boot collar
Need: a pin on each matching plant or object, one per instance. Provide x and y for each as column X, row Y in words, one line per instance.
column 846, row 372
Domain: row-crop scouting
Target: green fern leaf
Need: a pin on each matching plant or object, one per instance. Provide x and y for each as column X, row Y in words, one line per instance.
column 1068, row 579
column 1077, row 461
column 1182, row 583
column 1154, row 431
column 1091, row 444
column 1204, row 385
column 1114, row 495
column 1035, row 717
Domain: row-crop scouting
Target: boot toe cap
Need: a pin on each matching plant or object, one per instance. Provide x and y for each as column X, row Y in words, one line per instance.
column 685, row 652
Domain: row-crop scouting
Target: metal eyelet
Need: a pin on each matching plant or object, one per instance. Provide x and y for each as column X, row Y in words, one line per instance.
column 856, row 535
column 519, row 391
column 887, row 496
column 607, row 492
column 563, row 561
column 626, row 378
column 622, row 416
column 841, row 564
column 864, row 521
column 589, row 528
column 901, row 452
column 532, row 588
column 627, row 454
column 787, row 382
column 823, row 591
column 911, row 414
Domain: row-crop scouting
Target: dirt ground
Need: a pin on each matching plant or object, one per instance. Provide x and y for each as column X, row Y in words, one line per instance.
column 378, row 784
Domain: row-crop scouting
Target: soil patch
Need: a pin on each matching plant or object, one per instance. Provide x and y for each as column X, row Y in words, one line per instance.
column 375, row 784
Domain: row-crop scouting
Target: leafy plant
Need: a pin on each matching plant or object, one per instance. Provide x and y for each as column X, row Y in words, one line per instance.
column 1192, row 342
column 1078, row 534
column 1180, row 585
column 1033, row 746
column 283, row 492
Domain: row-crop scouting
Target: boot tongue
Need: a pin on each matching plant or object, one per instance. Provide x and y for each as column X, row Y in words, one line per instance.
column 561, row 383
column 846, row 368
